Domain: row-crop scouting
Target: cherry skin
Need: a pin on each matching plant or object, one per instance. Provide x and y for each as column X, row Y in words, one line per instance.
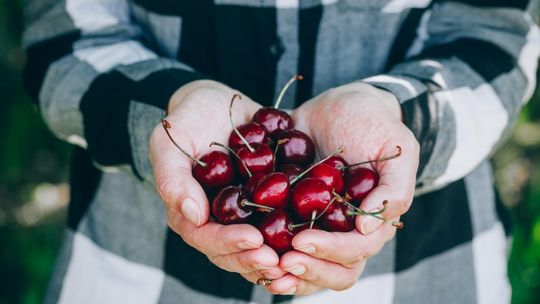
column 299, row 149
column 337, row 162
column 253, row 132
column 227, row 206
column 275, row 230
column 272, row 190
column 337, row 219
column 260, row 161
column 310, row 195
column 218, row 172
column 291, row 170
column 359, row 182
column 252, row 182
column 329, row 175
column 273, row 120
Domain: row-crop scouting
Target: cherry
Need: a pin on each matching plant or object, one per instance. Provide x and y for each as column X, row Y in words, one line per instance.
column 227, row 206
column 213, row 171
column 252, row 132
column 252, row 181
column 309, row 196
column 217, row 173
column 298, row 149
column 359, row 182
column 271, row 118
column 329, row 175
column 338, row 217
column 337, row 162
column 275, row 230
column 272, row 190
column 261, row 160
column 291, row 170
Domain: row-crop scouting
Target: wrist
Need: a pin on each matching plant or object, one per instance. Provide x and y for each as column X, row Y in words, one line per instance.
column 190, row 87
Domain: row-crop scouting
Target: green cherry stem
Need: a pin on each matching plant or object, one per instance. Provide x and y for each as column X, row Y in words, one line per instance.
column 166, row 126
column 279, row 142
column 339, row 150
column 234, row 127
column 376, row 215
column 233, row 153
column 285, row 88
column 245, row 202
column 313, row 219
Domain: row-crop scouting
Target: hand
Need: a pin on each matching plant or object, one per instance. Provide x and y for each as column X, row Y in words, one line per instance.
column 198, row 115
column 367, row 122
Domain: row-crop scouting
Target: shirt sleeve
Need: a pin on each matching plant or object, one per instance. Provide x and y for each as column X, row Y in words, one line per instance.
column 98, row 82
column 465, row 78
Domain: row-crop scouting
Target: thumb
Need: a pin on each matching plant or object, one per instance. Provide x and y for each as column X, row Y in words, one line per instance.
column 174, row 180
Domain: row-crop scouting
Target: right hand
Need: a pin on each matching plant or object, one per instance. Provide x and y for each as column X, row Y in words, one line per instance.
column 198, row 113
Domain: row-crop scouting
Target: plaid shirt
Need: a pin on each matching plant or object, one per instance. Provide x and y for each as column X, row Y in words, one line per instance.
column 102, row 72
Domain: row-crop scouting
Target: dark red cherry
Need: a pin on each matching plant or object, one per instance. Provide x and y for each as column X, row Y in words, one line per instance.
column 252, row 181
column 359, row 182
column 273, row 120
column 299, row 149
column 329, row 175
column 337, row 219
column 336, row 162
column 275, row 229
column 227, row 206
column 272, row 190
column 260, row 161
column 218, row 172
column 253, row 132
column 310, row 195
column 291, row 170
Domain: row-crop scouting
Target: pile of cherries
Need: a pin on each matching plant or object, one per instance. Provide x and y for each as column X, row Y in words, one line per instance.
column 266, row 177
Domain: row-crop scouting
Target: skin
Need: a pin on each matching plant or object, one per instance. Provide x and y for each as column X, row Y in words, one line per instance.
column 366, row 120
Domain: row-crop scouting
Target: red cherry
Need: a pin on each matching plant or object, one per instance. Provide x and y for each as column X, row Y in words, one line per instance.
column 275, row 229
column 227, row 206
column 273, row 120
column 298, row 148
column 218, row 172
column 291, row 170
column 261, row 160
column 272, row 190
column 252, row 181
column 337, row 219
column 337, row 162
column 310, row 195
column 329, row 175
column 359, row 182
column 253, row 133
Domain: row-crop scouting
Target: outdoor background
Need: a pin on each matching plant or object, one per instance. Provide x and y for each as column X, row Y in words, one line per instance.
column 34, row 192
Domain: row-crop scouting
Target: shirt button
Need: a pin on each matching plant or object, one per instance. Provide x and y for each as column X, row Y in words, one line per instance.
column 277, row 48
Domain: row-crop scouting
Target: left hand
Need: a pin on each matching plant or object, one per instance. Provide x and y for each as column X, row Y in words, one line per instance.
column 367, row 122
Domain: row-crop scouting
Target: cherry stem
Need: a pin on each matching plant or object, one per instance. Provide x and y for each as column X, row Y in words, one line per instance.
column 339, row 150
column 376, row 215
column 313, row 216
column 245, row 202
column 166, row 126
column 285, row 88
column 374, row 160
column 291, row 227
column 233, row 153
column 279, row 142
column 234, row 127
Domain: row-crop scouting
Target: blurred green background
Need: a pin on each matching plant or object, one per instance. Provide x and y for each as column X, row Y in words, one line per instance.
column 34, row 192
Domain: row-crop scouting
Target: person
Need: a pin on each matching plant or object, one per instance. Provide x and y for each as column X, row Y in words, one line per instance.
column 444, row 80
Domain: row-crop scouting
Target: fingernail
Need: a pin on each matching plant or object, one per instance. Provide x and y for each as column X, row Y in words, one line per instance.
column 306, row 248
column 297, row 270
column 191, row 211
column 290, row 291
column 369, row 225
column 247, row 245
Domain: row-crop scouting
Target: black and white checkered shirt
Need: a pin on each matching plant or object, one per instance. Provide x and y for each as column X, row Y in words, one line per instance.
column 103, row 71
